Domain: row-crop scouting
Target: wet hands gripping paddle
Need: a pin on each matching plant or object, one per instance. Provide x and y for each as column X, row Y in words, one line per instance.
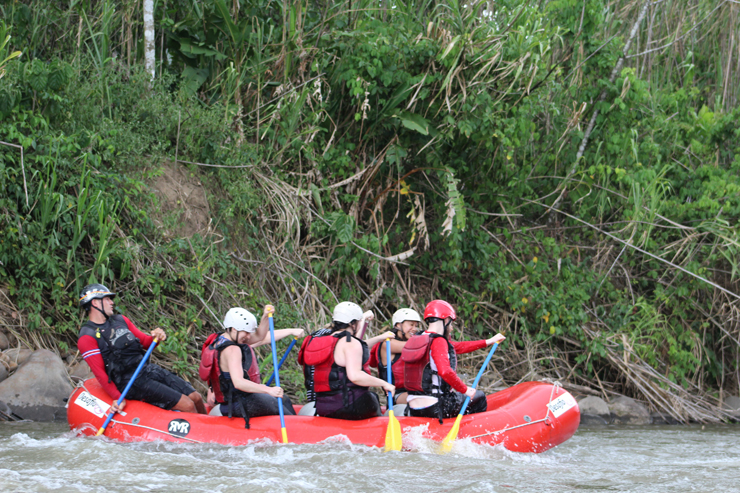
column 128, row 386
column 452, row 435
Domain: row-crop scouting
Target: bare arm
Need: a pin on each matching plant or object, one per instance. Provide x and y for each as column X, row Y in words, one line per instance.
column 382, row 337
column 350, row 353
column 396, row 348
column 280, row 334
column 233, row 357
column 264, row 326
column 367, row 317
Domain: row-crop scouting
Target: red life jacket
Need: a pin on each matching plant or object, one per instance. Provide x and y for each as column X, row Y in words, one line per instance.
column 319, row 353
column 210, row 369
column 377, row 362
column 418, row 373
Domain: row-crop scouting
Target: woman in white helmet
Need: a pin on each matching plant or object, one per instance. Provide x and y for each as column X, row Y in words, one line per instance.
column 341, row 377
column 230, row 366
column 406, row 323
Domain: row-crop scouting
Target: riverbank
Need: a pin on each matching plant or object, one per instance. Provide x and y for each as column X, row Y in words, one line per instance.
column 556, row 170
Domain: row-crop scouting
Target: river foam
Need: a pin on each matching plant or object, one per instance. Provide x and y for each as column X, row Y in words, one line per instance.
column 36, row 457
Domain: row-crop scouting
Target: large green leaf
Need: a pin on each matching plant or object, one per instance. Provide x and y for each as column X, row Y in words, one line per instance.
column 343, row 226
column 231, row 27
column 8, row 100
column 192, row 79
column 59, row 76
column 38, row 81
column 413, row 121
column 191, row 50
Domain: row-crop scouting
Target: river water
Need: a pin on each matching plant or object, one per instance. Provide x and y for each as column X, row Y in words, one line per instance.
column 47, row 457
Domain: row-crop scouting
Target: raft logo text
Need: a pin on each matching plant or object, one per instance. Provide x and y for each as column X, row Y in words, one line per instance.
column 179, row 427
column 91, row 403
column 561, row 404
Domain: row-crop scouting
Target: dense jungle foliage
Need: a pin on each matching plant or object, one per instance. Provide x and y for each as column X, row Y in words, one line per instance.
column 567, row 171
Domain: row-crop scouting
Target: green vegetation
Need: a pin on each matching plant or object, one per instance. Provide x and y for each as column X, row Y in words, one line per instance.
column 388, row 153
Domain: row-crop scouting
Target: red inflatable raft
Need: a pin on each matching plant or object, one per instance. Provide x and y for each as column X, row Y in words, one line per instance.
column 529, row 417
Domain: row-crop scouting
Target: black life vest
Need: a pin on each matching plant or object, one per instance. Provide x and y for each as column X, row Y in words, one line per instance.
column 418, row 372
column 329, row 378
column 120, row 348
column 210, row 371
column 230, row 394
column 397, row 365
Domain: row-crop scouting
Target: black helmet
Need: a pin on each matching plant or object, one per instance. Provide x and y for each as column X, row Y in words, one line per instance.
column 93, row 292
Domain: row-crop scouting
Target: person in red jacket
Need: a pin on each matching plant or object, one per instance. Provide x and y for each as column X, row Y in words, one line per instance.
column 113, row 348
column 405, row 325
column 430, row 363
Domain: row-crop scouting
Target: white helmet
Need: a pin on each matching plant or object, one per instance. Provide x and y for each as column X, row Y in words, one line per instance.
column 240, row 319
column 347, row 312
column 405, row 314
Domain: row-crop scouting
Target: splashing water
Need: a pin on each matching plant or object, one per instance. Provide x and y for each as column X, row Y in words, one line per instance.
column 46, row 457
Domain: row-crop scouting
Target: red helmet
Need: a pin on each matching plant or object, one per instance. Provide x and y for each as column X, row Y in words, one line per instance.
column 439, row 309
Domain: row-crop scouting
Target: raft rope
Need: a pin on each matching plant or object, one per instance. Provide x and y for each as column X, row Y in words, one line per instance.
column 543, row 420
column 157, row 430
column 81, row 383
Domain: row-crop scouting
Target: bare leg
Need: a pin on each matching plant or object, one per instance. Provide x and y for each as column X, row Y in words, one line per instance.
column 198, row 401
column 185, row 404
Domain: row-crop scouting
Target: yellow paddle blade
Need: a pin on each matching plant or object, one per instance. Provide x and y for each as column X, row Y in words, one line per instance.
column 451, row 436
column 285, row 435
column 393, row 434
column 100, row 432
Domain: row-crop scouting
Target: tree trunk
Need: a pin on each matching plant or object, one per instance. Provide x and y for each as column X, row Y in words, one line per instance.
column 149, row 48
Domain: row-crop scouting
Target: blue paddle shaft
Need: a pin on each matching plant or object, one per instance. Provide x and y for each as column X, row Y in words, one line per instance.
column 389, row 370
column 477, row 379
column 130, row 382
column 276, row 369
column 280, row 365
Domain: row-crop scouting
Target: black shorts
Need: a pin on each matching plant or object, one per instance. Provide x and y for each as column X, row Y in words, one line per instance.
column 259, row 405
column 159, row 387
column 362, row 404
column 451, row 405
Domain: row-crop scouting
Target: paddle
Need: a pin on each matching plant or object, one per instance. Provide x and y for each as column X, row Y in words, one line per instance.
column 393, row 433
column 280, row 365
column 128, row 386
column 452, row 435
column 276, row 372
